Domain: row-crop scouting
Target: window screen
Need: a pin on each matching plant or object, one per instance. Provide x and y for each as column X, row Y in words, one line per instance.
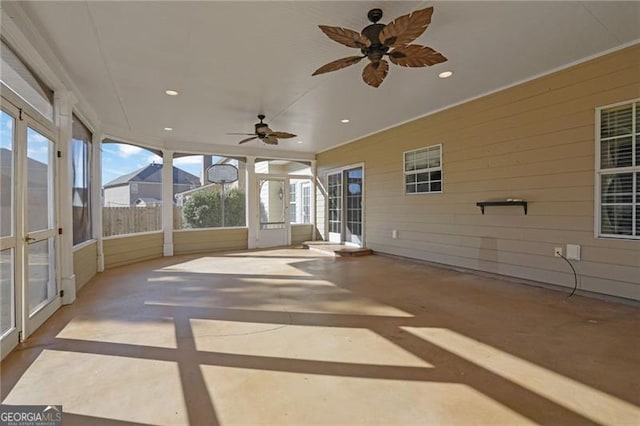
column 81, row 187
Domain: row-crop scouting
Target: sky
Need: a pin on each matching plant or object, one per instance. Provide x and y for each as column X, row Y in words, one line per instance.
column 38, row 145
column 6, row 126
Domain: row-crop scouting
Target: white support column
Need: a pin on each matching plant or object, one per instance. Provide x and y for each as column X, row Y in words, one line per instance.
column 64, row 106
column 96, row 196
column 312, row 196
column 252, row 205
column 167, row 202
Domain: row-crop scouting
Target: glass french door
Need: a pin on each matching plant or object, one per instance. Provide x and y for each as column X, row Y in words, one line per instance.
column 353, row 204
column 39, row 235
column 334, row 188
column 273, row 202
column 28, row 274
column 345, row 219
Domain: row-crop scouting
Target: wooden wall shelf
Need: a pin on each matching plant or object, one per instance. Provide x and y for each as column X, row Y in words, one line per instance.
column 483, row 204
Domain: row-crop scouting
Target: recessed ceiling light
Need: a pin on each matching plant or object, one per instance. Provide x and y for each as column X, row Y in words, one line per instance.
column 171, row 92
column 345, row 120
column 299, row 141
column 168, row 129
column 445, row 74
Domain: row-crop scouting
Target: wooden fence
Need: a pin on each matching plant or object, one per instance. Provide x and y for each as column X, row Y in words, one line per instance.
column 129, row 220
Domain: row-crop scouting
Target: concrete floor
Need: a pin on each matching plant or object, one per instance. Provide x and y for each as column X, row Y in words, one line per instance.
column 293, row 336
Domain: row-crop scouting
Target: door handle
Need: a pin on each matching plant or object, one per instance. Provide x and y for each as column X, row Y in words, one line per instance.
column 28, row 239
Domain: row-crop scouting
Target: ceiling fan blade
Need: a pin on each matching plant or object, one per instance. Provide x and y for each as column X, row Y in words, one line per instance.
column 271, row 140
column 338, row 64
column 241, row 134
column 248, row 139
column 406, row 28
column 283, row 135
column 375, row 72
column 415, row 55
column 345, row 36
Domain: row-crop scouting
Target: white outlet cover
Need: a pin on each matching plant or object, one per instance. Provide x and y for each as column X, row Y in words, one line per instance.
column 573, row 251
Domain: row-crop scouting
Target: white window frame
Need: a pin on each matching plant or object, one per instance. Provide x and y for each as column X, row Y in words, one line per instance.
column 406, row 173
column 635, row 103
column 31, row 91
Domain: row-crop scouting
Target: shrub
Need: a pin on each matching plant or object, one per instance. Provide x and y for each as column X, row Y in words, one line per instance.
column 203, row 209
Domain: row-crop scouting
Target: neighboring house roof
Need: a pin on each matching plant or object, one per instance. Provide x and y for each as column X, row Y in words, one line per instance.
column 153, row 174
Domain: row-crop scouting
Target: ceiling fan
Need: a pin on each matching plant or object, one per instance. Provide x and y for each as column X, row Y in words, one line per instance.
column 376, row 40
column 264, row 133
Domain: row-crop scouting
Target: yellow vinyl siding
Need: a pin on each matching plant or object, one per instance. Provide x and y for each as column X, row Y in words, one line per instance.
column 534, row 141
column 124, row 250
column 209, row 240
column 301, row 233
column 85, row 263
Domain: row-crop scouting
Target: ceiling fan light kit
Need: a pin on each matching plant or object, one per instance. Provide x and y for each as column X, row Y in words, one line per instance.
column 379, row 40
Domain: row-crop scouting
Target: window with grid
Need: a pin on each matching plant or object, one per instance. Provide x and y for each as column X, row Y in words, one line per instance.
column 334, row 189
column 293, row 203
column 306, row 202
column 423, row 170
column 618, row 172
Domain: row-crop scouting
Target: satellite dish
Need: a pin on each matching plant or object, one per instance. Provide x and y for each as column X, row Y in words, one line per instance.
column 222, row 173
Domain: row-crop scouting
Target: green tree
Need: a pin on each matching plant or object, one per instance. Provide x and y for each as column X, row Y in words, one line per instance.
column 204, row 209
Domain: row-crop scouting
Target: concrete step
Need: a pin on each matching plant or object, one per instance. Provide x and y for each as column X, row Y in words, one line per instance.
column 352, row 252
column 337, row 249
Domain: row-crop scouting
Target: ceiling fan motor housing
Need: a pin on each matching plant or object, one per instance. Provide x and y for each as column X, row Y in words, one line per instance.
column 261, row 128
column 376, row 50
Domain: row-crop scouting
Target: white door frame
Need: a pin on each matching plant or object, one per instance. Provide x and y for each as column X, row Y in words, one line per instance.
column 286, row 178
column 24, row 323
column 343, row 210
column 11, row 338
column 279, row 236
column 46, row 309
column 335, row 237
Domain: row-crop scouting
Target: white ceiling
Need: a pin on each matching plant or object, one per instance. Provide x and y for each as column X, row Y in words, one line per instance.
column 232, row 60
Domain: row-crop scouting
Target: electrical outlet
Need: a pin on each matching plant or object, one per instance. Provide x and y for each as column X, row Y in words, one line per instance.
column 394, row 234
column 573, row 252
column 557, row 252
